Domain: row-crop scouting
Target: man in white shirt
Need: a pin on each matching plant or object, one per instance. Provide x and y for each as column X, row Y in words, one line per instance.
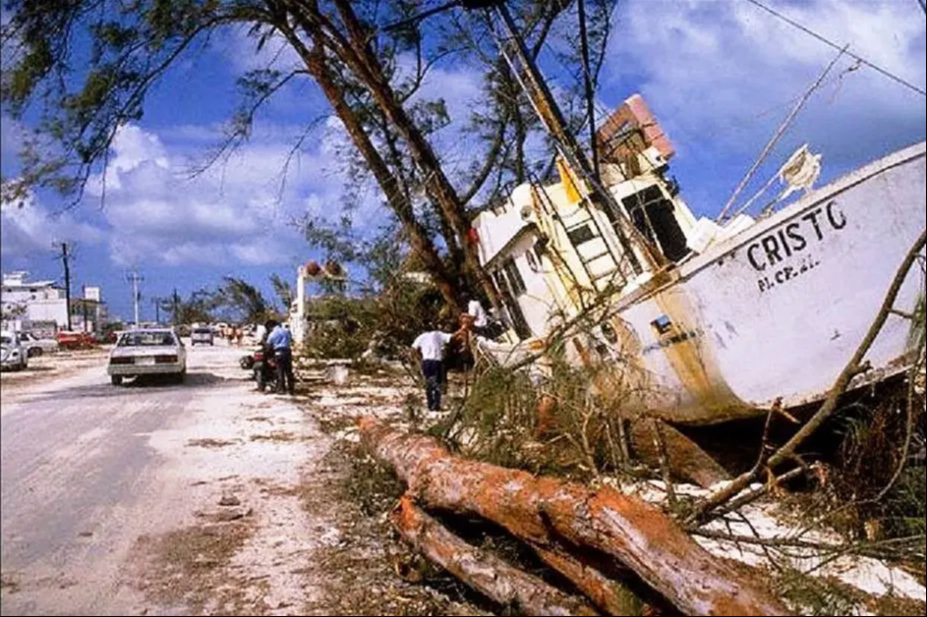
column 432, row 345
column 478, row 313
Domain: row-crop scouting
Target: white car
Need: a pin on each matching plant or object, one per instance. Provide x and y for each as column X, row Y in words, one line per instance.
column 36, row 346
column 202, row 335
column 12, row 353
column 149, row 351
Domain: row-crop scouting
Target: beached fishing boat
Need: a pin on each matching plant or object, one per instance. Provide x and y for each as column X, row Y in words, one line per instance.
column 708, row 322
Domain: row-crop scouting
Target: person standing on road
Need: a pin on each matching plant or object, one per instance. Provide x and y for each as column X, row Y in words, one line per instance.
column 281, row 341
column 431, row 346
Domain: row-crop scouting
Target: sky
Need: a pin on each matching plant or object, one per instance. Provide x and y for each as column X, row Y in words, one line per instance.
column 720, row 76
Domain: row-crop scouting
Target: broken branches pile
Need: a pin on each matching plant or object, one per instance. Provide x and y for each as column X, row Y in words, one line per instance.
column 549, row 514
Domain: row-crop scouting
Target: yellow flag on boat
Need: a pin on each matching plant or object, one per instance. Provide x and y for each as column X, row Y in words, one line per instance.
column 570, row 185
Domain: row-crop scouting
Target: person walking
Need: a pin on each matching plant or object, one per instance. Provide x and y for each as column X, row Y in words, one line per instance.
column 281, row 341
column 431, row 346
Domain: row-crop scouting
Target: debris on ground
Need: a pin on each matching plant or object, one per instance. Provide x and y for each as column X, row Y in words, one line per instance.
column 808, row 581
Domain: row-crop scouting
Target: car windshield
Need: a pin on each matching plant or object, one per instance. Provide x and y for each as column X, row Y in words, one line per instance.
column 6, row 340
column 202, row 331
column 146, row 339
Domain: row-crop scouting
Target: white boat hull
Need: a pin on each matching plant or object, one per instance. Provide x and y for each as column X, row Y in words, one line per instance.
column 774, row 314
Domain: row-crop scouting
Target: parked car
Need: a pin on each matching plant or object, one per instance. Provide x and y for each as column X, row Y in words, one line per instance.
column 36, row 345
column 150, row 351
column 12, row 353
column 202, row 335
column 74, row 340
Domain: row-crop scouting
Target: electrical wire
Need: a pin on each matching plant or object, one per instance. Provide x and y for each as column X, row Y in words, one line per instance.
column 827, row 41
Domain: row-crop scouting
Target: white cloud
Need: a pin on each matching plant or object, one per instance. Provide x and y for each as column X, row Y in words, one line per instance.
column 277, row 53
column 721, row 75
column 28, row 228
column 236, row 211
column 11, row 139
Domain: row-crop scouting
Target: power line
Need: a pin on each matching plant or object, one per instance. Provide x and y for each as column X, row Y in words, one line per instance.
column 827, row 41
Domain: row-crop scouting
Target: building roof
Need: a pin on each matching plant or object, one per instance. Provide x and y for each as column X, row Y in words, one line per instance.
column 15, row 280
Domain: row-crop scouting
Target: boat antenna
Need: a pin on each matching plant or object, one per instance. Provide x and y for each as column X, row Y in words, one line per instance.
column 827, row 41
column 778, row 135
column 590, row 88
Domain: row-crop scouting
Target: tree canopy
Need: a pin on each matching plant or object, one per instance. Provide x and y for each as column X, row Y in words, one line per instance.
column 78, row 70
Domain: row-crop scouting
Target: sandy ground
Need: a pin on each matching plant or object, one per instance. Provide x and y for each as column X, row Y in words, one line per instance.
column 202, row 498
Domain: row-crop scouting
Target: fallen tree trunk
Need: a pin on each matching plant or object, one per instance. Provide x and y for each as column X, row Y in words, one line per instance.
column 537, row 510
column 609, row 595
column 483, row 572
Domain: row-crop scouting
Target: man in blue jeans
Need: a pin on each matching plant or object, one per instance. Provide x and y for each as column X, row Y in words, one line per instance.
column 281, row 341
column 431, row 345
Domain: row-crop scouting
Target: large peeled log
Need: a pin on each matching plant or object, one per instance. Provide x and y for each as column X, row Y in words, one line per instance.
column 538, row 510
column 609, row 595
column 485, row 573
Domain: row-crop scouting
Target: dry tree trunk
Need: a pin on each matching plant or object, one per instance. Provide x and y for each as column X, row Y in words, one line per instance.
column 609, row 595
column 485, row 573
column 538, row 510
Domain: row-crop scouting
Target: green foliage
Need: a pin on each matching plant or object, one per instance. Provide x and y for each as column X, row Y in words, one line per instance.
column 386, row 322
column 918, row 329
column 339, row 327
column 284, row 291
column 242, row 301
column 198, row 308
column 561, row 422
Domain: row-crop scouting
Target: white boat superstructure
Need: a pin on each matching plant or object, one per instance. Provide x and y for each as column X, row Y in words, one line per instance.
column 708, row 322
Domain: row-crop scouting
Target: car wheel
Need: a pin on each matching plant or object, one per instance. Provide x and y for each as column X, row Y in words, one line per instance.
column 116, row 380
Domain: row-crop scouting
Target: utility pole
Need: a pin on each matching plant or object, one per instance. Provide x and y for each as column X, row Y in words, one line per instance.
column 175, row 306
column 134, row 278
column 157, row 304
column 66, row 262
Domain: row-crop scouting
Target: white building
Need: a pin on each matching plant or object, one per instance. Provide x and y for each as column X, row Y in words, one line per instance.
column 24, row 301
column 88, row 314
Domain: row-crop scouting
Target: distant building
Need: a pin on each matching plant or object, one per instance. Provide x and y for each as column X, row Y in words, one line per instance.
column 24, row 302
column 42, row 306
column 88, row 314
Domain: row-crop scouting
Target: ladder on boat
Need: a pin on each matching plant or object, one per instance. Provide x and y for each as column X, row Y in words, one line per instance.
column 604, row 269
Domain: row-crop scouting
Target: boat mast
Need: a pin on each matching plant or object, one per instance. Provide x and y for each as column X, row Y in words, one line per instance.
column 545, row 106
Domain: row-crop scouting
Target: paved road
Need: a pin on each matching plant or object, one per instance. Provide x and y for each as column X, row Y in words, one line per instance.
column 81, row 480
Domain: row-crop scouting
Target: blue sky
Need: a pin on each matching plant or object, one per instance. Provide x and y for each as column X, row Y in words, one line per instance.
column 720, row 75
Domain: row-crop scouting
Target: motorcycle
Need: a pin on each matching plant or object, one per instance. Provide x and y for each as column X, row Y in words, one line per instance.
column 264, row 369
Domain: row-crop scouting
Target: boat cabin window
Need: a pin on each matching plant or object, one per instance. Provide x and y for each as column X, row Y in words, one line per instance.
column 511, row 285
column 655, row 217
column 516, row 282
